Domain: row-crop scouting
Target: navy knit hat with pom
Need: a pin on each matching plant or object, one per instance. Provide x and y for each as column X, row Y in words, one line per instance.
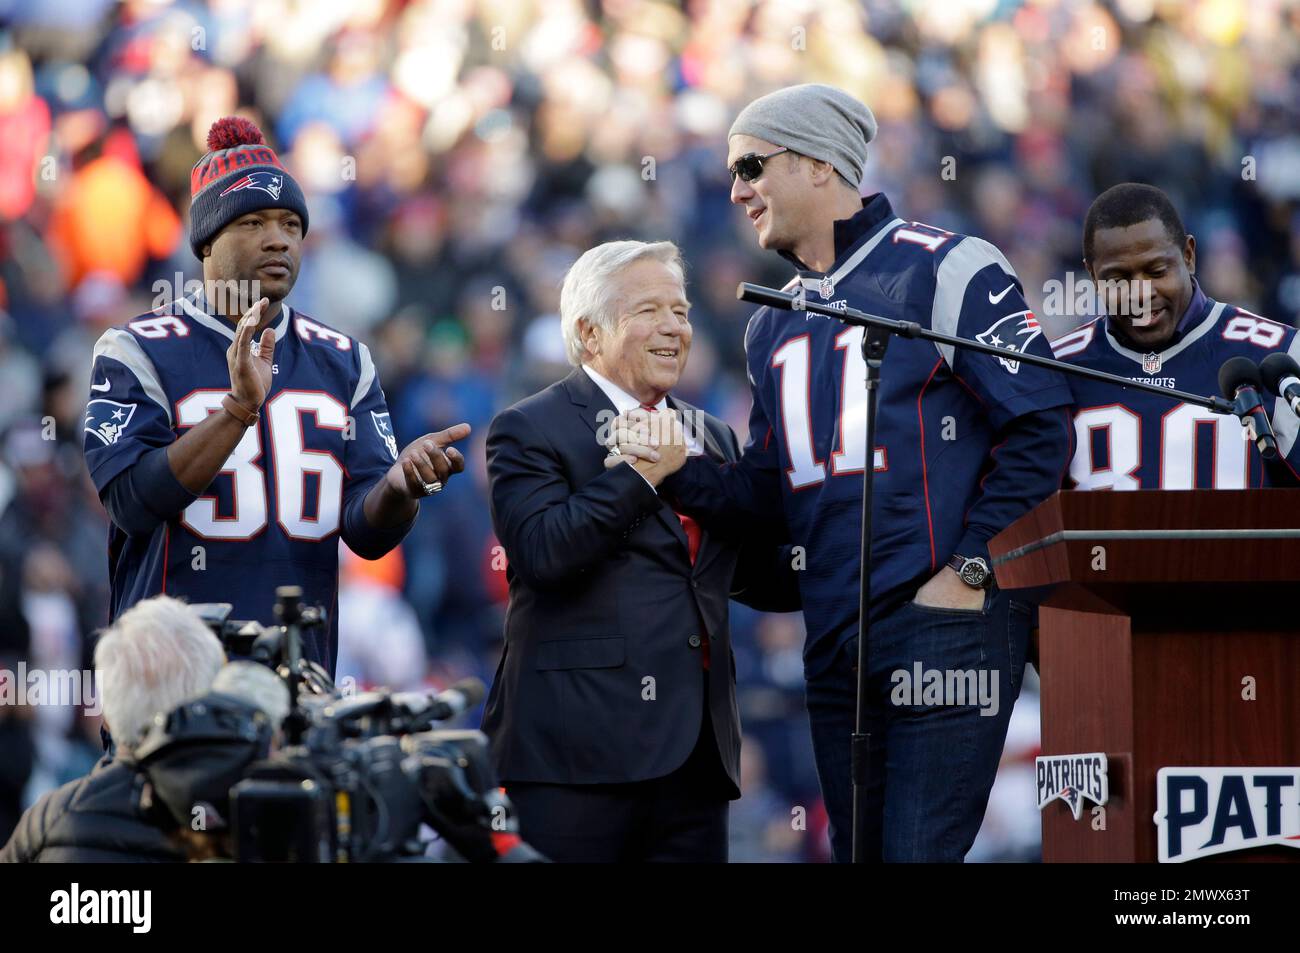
column 239, row 174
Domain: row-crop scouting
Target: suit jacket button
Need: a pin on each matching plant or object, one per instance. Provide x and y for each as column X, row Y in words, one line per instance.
column 693, row 641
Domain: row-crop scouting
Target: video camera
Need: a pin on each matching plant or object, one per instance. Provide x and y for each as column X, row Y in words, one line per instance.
column 359, row 774
column 279, row 647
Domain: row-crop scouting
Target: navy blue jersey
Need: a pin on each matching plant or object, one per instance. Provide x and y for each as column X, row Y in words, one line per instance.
column 938, row 424
column 296, row 480
column 1129, row 440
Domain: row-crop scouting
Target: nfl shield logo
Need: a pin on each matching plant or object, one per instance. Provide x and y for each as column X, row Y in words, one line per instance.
column 1151, row 363
column 826, row 289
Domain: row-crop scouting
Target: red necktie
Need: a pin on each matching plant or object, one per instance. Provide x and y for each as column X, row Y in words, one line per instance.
column 692, row 530
column 691, row 527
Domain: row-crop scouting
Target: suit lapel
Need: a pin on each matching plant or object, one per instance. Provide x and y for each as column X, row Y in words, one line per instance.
column 592, row 404
column 693, row 416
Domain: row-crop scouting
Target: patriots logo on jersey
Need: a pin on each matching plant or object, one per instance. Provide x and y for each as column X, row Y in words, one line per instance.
column 267, row 182
column 385, row 427
column 1013, row 333
column 106, row 419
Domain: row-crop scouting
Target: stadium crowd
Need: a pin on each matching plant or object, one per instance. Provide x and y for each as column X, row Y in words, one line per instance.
column 458, row 155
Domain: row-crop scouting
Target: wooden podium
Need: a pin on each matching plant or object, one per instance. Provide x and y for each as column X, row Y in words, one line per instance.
column 1156, row 605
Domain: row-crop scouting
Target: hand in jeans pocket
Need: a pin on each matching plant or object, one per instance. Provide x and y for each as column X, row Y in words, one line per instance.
column 945, row 590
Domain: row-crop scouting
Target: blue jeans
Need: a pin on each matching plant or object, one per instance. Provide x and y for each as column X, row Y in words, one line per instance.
column 935, row 742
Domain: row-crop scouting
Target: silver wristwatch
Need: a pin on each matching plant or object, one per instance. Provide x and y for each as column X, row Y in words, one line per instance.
column 974, row 571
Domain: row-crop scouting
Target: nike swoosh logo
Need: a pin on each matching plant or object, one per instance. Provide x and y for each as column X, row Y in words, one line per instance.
column 995, row 300
column 101, row 387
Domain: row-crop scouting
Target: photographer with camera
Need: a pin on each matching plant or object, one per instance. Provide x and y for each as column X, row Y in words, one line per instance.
column 265, row 760
column 194, row 756
column 157, row 655
column 275, row 764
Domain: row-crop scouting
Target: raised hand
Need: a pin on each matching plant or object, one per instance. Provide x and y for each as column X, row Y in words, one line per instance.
column 249, row 364
column 651, row 441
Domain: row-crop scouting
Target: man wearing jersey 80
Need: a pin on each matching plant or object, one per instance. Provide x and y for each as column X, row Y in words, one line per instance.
column 231, row 438
column 1179, row 338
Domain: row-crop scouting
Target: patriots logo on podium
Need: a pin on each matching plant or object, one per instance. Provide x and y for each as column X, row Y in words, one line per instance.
column 1202, row 811
column 268, row 182
column 106, row 419
column 1070, row 795
column 1072, row 778
column 1013, row 333
column 384, row 425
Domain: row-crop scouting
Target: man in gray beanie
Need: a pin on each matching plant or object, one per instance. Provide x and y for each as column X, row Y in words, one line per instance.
column 818, row 121
column 966, row 444
column 814, row 124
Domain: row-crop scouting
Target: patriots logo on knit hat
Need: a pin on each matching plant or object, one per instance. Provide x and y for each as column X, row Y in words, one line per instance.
column 239, row 174
column 268, row 182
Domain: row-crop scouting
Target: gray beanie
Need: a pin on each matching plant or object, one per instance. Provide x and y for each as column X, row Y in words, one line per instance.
column 817, row 121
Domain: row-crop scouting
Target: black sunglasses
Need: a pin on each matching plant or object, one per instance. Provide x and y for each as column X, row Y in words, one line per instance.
column 750, row 167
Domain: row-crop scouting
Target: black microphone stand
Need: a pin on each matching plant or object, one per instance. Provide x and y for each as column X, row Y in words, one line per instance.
column 875, row 339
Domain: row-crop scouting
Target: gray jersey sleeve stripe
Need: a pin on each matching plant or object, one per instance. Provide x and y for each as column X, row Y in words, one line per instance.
column 367, row 377
column 971, row 256
column 121, row 346
column 1285, row 424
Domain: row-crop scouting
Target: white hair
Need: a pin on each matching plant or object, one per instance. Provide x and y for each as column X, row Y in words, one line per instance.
column 158, row 654
column 589, row 293
column 257, row 685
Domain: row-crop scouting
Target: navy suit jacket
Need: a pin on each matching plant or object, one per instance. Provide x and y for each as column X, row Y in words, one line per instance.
column 601, row 679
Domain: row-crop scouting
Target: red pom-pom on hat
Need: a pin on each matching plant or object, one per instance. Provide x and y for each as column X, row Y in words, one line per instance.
column 233, row 131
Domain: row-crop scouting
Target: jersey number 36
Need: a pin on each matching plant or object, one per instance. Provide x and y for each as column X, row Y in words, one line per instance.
column 292, row 463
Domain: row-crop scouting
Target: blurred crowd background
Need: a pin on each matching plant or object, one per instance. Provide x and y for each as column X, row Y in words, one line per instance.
column 458, row 155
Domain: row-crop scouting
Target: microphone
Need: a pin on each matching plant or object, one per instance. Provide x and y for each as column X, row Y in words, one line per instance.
column 759, row 294
column 1240, row 382
column 419, row 709
column 461, row 697
column 1282, row 377
column 445, row 705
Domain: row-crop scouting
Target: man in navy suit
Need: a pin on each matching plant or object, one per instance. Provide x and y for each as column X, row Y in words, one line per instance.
column 613, row 712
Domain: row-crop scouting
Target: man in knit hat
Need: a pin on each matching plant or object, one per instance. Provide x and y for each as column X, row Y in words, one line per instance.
column 231, row 438
column 965, row 444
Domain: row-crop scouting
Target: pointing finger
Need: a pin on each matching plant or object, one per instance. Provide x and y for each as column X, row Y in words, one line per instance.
column 451, row 435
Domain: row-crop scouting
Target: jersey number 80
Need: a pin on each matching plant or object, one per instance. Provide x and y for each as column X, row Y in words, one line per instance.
column 1121, row 431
